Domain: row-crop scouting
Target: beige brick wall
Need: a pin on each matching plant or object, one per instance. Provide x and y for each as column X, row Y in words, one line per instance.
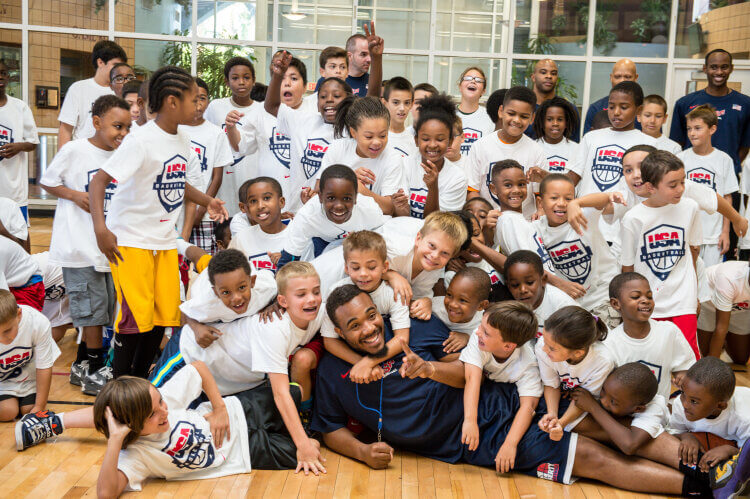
column 728, row 28
column 10, row 11
column 71, row 13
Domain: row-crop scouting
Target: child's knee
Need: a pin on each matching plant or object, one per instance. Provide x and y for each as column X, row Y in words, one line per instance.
column 8, row 409
column 304, row 360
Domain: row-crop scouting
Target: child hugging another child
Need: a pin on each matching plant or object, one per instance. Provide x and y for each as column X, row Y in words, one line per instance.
column 466, row 297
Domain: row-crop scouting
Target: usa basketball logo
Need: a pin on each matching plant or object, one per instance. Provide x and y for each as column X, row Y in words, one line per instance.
column 54, row 292
column 314, row 152
column 6, row 136
column 12, row 362
column 200, row 151
column 471, row 135
column 488, row 180
column 557, row 164
column 607, row 166
column 494, row 277
column 548, row 471
column 262, row 261
column 572, row 259
column 656, row 369
column 170, row 183
column 417, row 200
column 737, row 307
column 189, row 447
column 540, row 250
column 109, row 191
column 663, row 247
column 279, row 146
column 569, row 383
column 703, row 176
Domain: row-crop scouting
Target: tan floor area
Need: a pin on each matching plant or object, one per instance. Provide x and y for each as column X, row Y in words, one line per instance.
column 69, row 465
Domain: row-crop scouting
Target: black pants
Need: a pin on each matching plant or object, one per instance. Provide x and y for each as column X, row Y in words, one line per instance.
column 135, row 352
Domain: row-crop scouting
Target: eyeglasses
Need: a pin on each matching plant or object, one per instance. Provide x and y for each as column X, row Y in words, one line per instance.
column 123, row 79
column 477, row 79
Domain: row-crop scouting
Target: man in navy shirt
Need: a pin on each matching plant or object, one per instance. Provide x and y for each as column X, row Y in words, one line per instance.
column 417, row 406
column 359, row 64
column 733, row 109
column 623, row 70
column 545, row 78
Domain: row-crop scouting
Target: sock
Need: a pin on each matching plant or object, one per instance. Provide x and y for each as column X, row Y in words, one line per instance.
column 81, row 354
column 62, row 421
column 306, row 405
column 96, row 359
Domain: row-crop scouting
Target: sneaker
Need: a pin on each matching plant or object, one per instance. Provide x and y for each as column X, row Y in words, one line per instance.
column 77, row 372
column 32, row 429
column 92, row 383
column 731, row 478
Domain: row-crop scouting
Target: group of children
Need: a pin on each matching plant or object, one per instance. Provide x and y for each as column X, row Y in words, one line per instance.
column 589, row 275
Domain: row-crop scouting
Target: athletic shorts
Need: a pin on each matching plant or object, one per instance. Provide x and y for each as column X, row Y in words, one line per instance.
column 58, row 311
column 29, row 399
column 169, row 362
column 316, row 345
column 688, row 324
column 739, row 320
column 31, row 293
column 92, row 296
column 147, row 283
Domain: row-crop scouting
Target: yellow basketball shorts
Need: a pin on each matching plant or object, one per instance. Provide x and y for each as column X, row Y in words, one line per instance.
column 147, row 283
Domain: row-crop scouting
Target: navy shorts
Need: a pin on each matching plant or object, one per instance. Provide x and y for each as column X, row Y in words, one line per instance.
column 169, row 362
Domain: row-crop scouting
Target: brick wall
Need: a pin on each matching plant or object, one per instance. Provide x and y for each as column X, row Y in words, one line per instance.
column 728, row 28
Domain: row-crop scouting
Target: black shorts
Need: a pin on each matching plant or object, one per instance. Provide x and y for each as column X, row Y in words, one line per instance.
column 29, row 399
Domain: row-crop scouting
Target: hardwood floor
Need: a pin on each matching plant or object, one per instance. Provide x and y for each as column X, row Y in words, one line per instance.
column 68, row 466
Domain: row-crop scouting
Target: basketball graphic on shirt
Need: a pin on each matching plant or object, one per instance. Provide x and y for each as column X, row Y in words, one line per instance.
column 569, row 383
column 417, row 200
column 572, row 259
column 488, row 180
column 655, row 369
column 262, row 261
column 54, row 292
column 189, row 447
column 6, row 136
column 703, row 176
column 109, row 191
column 663, row 247
column 311, row 158
column 607, row 166
column 200, row 151
column 236, row 159
column 12, row 362
column 279, row 145
column 170, row 183
column 471, row 135
column 557, row 164
column 540, row 250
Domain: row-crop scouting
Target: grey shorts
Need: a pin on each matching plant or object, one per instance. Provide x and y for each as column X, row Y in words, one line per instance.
column 92, row 296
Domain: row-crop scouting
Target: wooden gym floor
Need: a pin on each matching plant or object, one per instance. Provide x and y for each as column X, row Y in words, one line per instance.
column 68, row 466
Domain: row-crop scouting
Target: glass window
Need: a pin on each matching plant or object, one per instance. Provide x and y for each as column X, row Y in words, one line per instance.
column 411, row 67
column 551, row 27
column 10, row 53
column 244, row 20
column 704, row 26
column 469, row 32
column 10, row 11
column 146, row 56
column 167, row 17
column 324, row 25
column 211, row 59
column 69, row 13
column 448, row 70
column 570, row 78
column 402, row 29
column 651, row 77
column 632, row 28
column 470, row 5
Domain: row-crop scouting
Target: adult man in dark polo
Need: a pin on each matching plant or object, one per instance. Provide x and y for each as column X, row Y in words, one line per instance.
column 544, row 79
column 623, row 70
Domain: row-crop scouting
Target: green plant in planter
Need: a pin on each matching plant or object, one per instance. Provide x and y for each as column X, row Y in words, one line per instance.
column 655, row 20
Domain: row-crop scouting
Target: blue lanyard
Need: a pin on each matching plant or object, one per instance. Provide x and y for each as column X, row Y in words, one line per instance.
column 378, row 411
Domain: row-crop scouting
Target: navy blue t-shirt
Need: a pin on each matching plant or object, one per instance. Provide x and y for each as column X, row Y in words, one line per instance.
column 576, row 132
column 595, row 107
column 358, row 83
column 733, row 131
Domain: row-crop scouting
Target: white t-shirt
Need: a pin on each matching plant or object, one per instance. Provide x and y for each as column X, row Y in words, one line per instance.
column 16, row 125
column 656, row 241
column 186, row 451
column 151, row 169
column 513, row 232
column 400, row 235
column 239, row 222
column 488, row 151
column 33, row 348
column 438, row 309
column 475, row 126
column 729, row 285
column 520, row 368
column 310, row 138
column 388, row 167
column 586, row 260
column 311, row 222
column 554, row 299
column 76, row 108
column 16, row 265
column 664, row 143
column 73, row 167
column 561, row 156
column 654, row 419
column 382, row 297
column 273, row 342
column 261, row 131
column 12, row 218
column 256, row 244
column 403, row 142
column 716, row 171
column 590, row 373
column 56, row 303
column 664, row 350
column 310, row 103
column 451, row 186
column 732, row 424
column 494, row 275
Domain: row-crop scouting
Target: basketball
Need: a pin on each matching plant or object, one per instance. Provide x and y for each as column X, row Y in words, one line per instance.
column 709, row 441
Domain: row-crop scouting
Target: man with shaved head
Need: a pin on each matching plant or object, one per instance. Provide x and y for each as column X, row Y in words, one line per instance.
column 545, row 78
column 623, row 70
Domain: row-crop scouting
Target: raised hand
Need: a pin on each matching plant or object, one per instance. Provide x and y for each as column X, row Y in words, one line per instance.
column 374, row 43
column 280, row 64
column 430, row 173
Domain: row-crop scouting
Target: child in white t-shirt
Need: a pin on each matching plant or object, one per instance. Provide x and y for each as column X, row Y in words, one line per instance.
column 18, row 136
column 659, row 345
column 27, row 352
column 652, row 117
column 500, row 351
column 713, row 168
column 20, row 274
column 555, row 121
column 398, row 97
column 570, row 354
column 710, row 402
column 13, row 224
column 527, row 282
column 724, row 319
column 466, row 298
column 476, row 123
column 507, row 143
column 660, row 239
column 433, row 181
column 334, row 63
column 56, row 300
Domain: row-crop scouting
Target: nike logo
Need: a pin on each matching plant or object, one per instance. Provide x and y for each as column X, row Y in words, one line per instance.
column 164, row 220
column 343, row 376
column 117, row 343
column 228, row 173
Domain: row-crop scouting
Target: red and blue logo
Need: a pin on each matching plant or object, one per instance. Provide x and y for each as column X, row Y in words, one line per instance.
column 262, row 261
column 607, row 166
column 471, row 135
column 663, row 247
column 311, row 158
column 13, row 361
column 200, row 151
column 279, row 145
column 109, row 191
column 572, row 259
column 6, row 136
column 417, row 200
column 189, row 447
column 703, row 176
column 557, row 164
column 170, row 183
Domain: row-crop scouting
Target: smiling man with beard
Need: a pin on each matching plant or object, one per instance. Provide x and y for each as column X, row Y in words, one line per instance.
column 417, row 407
column 545, row 78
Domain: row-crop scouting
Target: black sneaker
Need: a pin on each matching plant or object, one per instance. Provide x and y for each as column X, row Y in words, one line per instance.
column 32, row 429
column 78, row 371
column 94, row 382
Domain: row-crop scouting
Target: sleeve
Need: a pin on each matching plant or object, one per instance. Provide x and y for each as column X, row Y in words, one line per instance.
column 729, row 180
column 677, row 420
column 541, row 158
column 69, row 110
column 224, row 155
column 677, row 130
column 53, row 175
column 474, row 169
column 530, row 382
column 285, row 120
column 703, row 195
column 742, row 427
column 193, row 175
column 653, row 419
column 126, row 160
column 577, row 166
column 398, row 311
column 45, row 348
column 248, row 140
column 297, row 237
column 394, row 177
column 14, row 222
column 471, row 353
column 327, row 328
column 595, row 378
column 547, row 372
column 629, row 233
column 453, row 198
column 328, row 413
column 133, row 465
column 182, row 388
column 29, row 126
column 269, row 352
column 722, row 295
column 695, row 231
